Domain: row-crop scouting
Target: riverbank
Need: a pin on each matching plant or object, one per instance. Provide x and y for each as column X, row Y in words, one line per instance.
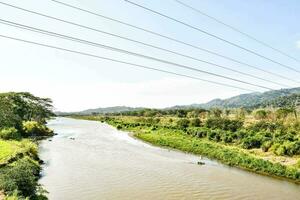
column 20, row 169
column 226, row 154
column 23, row 121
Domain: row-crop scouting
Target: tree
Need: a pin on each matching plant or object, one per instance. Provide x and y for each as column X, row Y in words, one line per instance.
column 8, row 118
column 23, row 106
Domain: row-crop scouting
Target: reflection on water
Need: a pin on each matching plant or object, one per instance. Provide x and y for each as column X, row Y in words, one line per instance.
column 104, row 163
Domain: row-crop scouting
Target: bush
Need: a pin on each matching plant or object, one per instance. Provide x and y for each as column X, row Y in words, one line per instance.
column 224, row 124
column 251, row 142
column 20, row 176
column 33, row 128
column 266, row 146
column 119, row 127
column 292, row 148
column 240, row 134
column 266, row 126
column 227, row 137
column 280, row 150
column 195, row 122
column 183, row 123
column 198, row 132
column 9, row 133
column 214, row 135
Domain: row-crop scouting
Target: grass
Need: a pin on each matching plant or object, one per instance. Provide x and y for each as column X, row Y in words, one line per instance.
column 11, row 149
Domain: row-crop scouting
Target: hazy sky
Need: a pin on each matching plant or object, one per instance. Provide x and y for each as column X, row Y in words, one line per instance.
column 77, row 82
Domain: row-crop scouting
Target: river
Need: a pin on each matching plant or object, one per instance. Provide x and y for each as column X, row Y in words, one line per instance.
column 104, row 163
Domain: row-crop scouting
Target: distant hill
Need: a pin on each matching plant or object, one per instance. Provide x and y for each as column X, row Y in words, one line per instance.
column 114, row 109
column 251, row 100
column 276, row 98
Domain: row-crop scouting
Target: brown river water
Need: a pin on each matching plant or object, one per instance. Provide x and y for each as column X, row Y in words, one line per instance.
column 104, row 163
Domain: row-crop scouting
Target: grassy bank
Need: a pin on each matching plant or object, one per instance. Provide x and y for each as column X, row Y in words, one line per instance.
column 20, row 169
column 12, row 150
column 173, row 137
column 22, row 122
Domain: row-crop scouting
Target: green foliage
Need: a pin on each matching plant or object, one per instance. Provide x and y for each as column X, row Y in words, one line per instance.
column 119, row 127
column 9, row 133
column 260, row 114
column 252, row 142
column 20, row 176
column 11, row 150
column 33, row 128
column 198, row 132
column 282, row 113
column 266, row 126
column 195, row 122
column 8, row 117
column 224, row 124
column 18, row 107
column 266, row 146
column 183, row 123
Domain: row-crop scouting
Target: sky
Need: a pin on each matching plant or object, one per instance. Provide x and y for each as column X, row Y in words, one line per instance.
column 75, row 82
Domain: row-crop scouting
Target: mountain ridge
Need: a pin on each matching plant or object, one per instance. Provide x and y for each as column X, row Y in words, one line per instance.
column 250, row 100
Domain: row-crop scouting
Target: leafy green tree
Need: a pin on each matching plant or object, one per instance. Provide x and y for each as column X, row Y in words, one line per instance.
column 8, row 117
column 23, row 106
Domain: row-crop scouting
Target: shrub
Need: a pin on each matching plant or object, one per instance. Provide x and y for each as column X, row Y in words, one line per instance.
column 21, row 176
column 227, row 137
column 224, row 124
column 291, row 148
column 119, row 126
column 266, row 126
column 251, row 142
column 240, row 134
column 198, row 132
column 280, row 150
column 183, row 123
column 214, row 135
column 9, row 133
column 266, row 146
column 195, row 122
column 33, row 128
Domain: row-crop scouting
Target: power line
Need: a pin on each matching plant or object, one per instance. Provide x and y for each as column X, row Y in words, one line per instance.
column 144, row 56
column 237, row 30
column 122, row 62
column 176, row 40
column 30, row 28
column 114, row 35
column 214, row 36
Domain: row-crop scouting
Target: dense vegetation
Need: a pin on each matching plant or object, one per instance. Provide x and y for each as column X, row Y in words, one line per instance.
column 22, row 120
column 261, row 140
